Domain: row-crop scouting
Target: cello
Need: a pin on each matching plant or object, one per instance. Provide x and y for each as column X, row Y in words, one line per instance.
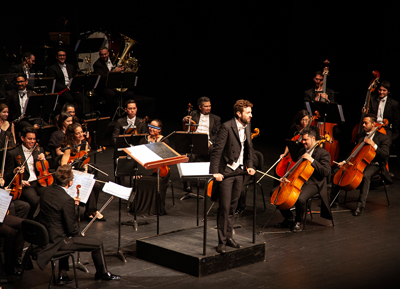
column 350, row 175
column 287, row 162
column 286, row 195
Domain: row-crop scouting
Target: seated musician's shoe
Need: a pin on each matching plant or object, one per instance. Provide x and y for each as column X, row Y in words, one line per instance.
column 64, row 279
column 239, row 211
column 232, row 243
column 221, row 248
column 358, row 211
column 297, row 227
column 108, row 276
column 286, row 223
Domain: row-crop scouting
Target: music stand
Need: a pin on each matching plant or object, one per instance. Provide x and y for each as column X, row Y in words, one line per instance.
column 84, row 82
column 332, row 111
column 42, row 84
column 154, row 156
column 41, row 105
column 97, row 127
column 191, row 143
column 120, row 80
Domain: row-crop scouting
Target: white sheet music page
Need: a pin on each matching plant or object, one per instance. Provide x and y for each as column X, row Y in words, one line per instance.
column 117, row 190
column 195, row 169
column 143, row 154
column 86, row 181
column 5, row 200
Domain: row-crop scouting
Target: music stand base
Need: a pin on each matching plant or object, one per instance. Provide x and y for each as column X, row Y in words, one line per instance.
column 191, row 195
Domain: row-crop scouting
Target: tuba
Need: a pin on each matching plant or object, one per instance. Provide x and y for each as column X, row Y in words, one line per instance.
column 130, row 64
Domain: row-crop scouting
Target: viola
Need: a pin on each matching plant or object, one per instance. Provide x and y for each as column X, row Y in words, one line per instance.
column 371, row 88
column 191, row 125
column 350, row 175
column 17, row 182
column 286, row 195
column 287, row 162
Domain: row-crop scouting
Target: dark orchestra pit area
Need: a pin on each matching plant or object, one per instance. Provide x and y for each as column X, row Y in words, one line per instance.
column 360, row 252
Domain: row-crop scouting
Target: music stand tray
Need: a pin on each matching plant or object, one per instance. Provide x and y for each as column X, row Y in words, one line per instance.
column 40, row 105
column 121, row 80
column 332, row 112
column 191, row 143
column 84, row 82
column 43, row 84
column 97, row 128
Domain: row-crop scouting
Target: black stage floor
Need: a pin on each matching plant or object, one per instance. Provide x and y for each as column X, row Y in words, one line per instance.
column 360, row 252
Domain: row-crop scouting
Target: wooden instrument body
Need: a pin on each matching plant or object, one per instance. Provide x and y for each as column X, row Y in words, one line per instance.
column 350, row 175
column 286, row 163
column 286, row 195
column 45, row 178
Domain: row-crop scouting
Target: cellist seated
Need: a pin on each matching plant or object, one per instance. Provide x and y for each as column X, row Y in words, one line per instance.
column 381, row 143
column 317, row 183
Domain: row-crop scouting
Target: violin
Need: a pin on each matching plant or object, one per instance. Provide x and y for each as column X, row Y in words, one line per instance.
column 191, row 125
column 371, row 88
column 287, row 162
column 84, row 156
column 45, row 178
column 133, row 130
column 16, row 190
column 286, row 195
column 350, row 175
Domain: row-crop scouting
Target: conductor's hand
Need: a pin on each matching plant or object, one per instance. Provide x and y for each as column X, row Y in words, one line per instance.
column 251, row 171
column 218, row 177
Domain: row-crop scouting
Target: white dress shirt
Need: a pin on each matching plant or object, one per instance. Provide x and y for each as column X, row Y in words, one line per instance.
column 65, row 72
column 30, row 164
column 242, row 138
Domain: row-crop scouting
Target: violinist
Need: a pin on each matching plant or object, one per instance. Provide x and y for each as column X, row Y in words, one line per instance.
column 57, row 214
column 31, row 190
column 207, row 123
column 56, row 139
column 74, row 141
column 130, row 121
column 317, row 183
column 315, row 93
column 6, row 128
column 380, row 142
column 385, row 107
column 154, row 135
column 233, row 153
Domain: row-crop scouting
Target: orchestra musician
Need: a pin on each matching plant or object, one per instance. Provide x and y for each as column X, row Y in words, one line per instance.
column 57, row 214
column 317, row 183
column 70, row 108
column 63, row 73
column 233, row 152
column 26, row 67
column 207, row 123
column 154, row 135
column 380, row 142
column 17, row 101
column 102, row 66
column 385, row 107
column 75, row 142
column 31, row 190
column 6, row 128
column 130, row 121
column 314, row 94
column 56, row 139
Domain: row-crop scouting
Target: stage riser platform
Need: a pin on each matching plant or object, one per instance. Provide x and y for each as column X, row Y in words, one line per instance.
column 182, row 251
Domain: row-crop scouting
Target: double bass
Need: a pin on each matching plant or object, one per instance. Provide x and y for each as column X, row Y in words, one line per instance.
column 350, row 175
column 286, row 195
column 191, row 125
column 331, row 146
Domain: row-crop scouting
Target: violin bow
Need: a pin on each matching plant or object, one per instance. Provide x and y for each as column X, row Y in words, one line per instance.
column 95, row 216
column 266, row 173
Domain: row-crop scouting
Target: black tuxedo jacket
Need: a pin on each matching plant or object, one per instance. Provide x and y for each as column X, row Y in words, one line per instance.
column 391, row 112
column 227, row 148
column 100, row 67
column 12, row 101
column 382, row 152
column 122, row 122
column 214, row 125
column 57, row 214
column 56, row 72
column 12, row 162
column 322, row 170
column 310, row 94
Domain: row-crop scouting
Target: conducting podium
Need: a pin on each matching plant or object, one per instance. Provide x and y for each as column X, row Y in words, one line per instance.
column 156, row 156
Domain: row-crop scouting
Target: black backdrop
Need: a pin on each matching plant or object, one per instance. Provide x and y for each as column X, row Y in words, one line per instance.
column 266, row 53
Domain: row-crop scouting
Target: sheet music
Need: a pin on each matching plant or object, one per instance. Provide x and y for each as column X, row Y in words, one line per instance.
column 143, row 154
column 5, row 200
column 86, row 181
column 195, row 169
column 117, row 190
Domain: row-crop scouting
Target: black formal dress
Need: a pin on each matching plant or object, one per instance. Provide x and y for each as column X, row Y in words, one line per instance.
column 57, row 214
column 317, row 183
column 227, row 149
